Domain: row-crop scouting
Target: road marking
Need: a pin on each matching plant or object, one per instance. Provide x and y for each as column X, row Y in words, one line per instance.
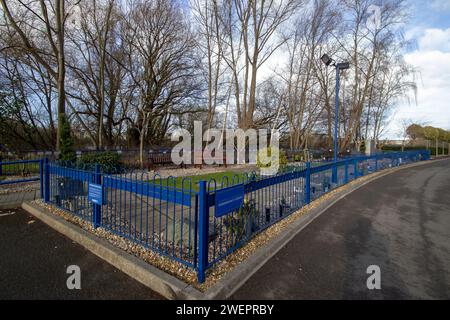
column 6, row 214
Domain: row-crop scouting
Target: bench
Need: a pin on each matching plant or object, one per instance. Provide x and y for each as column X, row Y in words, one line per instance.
column 159, row 159
column 166, row 159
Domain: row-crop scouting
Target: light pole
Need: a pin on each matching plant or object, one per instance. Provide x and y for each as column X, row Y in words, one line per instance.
column 338, row 66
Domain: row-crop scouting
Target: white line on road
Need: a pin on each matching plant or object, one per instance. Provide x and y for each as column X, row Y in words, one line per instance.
column 6, row 214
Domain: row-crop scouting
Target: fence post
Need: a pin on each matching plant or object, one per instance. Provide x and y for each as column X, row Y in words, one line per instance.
column 308, row 183
column 41, row 177
column 203, row 232
column 97, row 207
column 334, row 173
column 355, row 163
column 46, row 180
column 346, row 172
column 376, row 163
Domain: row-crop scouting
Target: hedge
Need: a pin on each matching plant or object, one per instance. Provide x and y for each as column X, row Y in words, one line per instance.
column 108, row 161
column 399, row 148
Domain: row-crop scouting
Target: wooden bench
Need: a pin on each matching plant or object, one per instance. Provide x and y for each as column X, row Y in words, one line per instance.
column 163, row 159
column 159, row 159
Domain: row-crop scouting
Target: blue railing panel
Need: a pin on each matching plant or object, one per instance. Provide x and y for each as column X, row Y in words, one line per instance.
column 20, row 171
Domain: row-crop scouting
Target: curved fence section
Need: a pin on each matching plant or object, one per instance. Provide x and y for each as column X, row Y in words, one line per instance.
column 199, row 223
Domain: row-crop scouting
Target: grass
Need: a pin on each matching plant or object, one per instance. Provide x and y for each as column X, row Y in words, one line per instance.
column 217, row 176
column 195, row 179
column 18, row 169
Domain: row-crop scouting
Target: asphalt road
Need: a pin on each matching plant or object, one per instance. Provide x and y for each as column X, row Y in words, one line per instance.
column 400, row 223
column 34, row 260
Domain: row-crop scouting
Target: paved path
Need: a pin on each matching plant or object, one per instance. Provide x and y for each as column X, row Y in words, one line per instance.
column 400, row 222
column 34, row 259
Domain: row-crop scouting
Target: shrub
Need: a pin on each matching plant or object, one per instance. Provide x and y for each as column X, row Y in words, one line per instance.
column 283, row 161
column 108, row 161
column 396, row 148
column 244, row 223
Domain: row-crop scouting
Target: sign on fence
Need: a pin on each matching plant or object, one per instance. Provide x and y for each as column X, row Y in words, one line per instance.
column 229, row 200
column 95, row 193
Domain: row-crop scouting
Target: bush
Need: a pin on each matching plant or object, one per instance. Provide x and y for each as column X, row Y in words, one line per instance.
column 108, row 161
column 283, row 161
column 298, row 158
column 244, row 223
column 399, row 149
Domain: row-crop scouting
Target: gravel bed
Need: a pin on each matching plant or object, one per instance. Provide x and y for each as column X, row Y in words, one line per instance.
column 18, row 187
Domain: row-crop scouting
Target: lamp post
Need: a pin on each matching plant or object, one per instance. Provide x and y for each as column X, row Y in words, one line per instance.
column 338, row 66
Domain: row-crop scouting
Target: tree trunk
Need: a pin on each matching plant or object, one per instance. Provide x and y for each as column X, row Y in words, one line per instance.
column 60, row 16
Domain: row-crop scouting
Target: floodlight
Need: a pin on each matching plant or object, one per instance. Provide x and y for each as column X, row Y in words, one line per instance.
column 326, row 59
column 343, row 66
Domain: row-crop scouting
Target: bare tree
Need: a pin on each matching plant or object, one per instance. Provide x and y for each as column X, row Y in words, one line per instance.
column 249, row 28
column 161, row 66
column 46, row 20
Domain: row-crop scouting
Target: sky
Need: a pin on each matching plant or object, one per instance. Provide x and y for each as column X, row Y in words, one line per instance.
column 430, row 29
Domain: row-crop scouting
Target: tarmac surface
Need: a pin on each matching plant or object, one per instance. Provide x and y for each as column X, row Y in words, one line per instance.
column 34, row 259
column 400, row 223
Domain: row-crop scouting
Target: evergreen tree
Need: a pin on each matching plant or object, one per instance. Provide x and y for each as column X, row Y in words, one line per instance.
column 66, row 143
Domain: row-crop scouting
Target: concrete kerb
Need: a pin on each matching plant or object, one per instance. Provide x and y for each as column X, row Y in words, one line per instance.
column 173, row 288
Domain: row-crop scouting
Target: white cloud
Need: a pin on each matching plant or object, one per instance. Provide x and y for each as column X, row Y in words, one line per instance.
column 432, row 59
column 441, row 5
column 435, row 39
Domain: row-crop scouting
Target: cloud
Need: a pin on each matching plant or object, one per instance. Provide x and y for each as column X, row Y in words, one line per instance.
column 432, row 60
column 441, row 5
column 435, row 39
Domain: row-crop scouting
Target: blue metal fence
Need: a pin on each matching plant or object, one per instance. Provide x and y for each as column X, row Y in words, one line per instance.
column 20, row 171
column 189, row 222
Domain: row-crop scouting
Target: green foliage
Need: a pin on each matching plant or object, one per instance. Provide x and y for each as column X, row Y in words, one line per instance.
column 415, row 131
column 66, row 142
column 432, row 149
column 399, row 148
column 243, row 222
column 109, row 161
column 298, row 158
column 283, row 161
column 363, row 147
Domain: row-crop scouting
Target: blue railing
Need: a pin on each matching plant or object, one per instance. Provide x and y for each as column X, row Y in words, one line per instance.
column 20, row 171
column 179, row 218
